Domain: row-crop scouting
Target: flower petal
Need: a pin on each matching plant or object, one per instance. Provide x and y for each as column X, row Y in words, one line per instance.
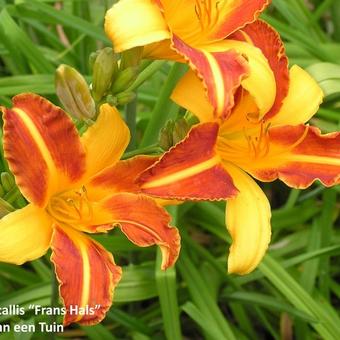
column 105, row 141
column 303, row 99
column 248, row 222
column 235, row 14
column 131, row 23
column 260, row 72
column 120, row 177
column 87, row 275
column 190, row 170
column 145, row 223
column 25, row 235
column 299, row 155
column 42, row 147
column 221, row 72
column 267, row 39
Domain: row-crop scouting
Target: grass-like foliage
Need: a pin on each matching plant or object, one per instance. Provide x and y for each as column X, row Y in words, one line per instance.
column 294, row 293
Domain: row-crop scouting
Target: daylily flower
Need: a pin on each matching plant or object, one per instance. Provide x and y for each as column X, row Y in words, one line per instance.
column 203, row 34
column 214, row 161
column 77, row 185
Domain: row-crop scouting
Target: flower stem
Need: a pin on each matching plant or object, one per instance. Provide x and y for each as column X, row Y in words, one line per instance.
column 131, row 114
column 151, row 149
column 54, row 299
column 162, row 110
column 148, row 72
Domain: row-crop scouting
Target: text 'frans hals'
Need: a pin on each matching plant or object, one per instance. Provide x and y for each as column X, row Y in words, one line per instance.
column 16, row 310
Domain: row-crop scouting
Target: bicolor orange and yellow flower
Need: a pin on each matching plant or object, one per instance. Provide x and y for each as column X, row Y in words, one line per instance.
column 216, row 158
column 76, row 186
column 203, row 34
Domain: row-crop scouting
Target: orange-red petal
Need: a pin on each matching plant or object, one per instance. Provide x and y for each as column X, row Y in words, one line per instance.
column 145, row 223
column 42, row 147
column 235, row 14
column 120, row 177
column 269, row 42
column 87, row 275
column 190, row 170
column 221, row 73
column 299, row 155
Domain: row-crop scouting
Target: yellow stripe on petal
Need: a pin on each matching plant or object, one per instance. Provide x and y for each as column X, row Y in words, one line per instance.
column 25, row 235
column 260, row 82
column 105, row 141
column 303, row 99
column 87, row 278
column 183, row 174
column 42, row 147
column 248, row 222
column 131, row 23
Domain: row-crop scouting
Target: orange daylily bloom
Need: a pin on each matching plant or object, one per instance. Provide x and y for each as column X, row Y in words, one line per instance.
column 203, row 33
column 214, row 161
column 75, row 186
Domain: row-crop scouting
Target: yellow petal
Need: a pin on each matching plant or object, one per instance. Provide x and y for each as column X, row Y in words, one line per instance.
column 303, row 99
column 248, row 222
column 190, row 94
column 261, row 81
column 105, row 141
column 25, row 235
column 131, row 23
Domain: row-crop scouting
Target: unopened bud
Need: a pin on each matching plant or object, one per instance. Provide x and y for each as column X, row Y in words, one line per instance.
column 124, row 98
column 112, row 100
column 104, row 69
column 165, row 136
column 131, row 57
column 2, row 190
column 92, row 58
column 180, row 130
column 74, row 93
column 7, row 181
column 124, row 79
column 5, row 208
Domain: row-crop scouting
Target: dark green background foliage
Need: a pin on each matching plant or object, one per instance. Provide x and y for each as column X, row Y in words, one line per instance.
column 296, row 288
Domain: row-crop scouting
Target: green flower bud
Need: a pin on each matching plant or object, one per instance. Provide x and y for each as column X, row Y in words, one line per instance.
column 112, row 100
column 180, row 130
column 2, row 190
column 104, row 69
column 165, row 136
column 74, row 93
column 124, row 79
column 124, row 98
column 131, row 57
column 92, row 58
column 5, row 208
column 7, row 181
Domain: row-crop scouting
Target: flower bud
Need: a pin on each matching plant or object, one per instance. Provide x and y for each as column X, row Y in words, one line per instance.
column 92, row 58
column 124, row 98
column 180, row 130
column 7, row 181
column 2, row 191
column 165, row 136
column 74, row 93
column 5, row 208
column 173, row 132
column 124, row 79
column 131, row 57
column 104, row 68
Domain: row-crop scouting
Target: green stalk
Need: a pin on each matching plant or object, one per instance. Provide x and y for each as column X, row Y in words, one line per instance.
column 131, row 115
column 161, row 110
column 167, row 291
column 147, row 73
column 152, row 149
